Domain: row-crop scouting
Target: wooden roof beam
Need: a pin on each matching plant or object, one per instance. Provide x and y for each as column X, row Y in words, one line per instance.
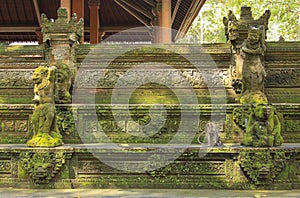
column 175, row 11
column 37, row 11
column 140, row 8
column 19, row 29
column 119, row 29
column 152, row 3
column 133, row 12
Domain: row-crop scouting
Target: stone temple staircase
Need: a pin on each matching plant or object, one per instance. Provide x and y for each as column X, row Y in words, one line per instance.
column 119, row 90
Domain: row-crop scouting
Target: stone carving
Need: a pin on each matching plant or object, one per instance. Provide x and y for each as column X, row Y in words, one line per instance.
column 241, row 116
column 65, row 121
column 73, row 29
column 264, row 127
column 253, row 71
column 45, row 133
column 262, row 166
column 5, row 166
column 236, row 123
column 62, row 83
column 247, row 37
column 21, row 125
column 13, row 78
column 61, row 38
column 211, row 134
column 235, row 31
column 107, row 78
column 231, row 28
column 42, row 167
column 8, row 125
column 232, row 34
column 283, row 77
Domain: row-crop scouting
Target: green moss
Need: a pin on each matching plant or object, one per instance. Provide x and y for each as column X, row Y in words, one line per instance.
column 15, row 100
column 65, row 173
column 257, row 97
column 45, row 140
column 21, row 172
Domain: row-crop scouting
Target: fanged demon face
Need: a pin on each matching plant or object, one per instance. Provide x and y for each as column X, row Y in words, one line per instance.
column 39, row 74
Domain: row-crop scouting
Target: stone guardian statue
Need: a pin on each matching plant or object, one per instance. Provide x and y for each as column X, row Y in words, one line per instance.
column 253, row 72
column 45, row 133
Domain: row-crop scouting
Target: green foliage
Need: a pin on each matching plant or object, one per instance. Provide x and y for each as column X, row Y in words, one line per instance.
column 208, row 26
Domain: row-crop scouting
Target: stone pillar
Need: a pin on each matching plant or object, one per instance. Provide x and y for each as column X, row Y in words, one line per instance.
column 67, row 5
column 94, row 21
column 167, row 21
column 78, row 8
column 61, row 37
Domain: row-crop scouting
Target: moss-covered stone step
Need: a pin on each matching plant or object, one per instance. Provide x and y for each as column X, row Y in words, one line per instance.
column 150, row 166
column 21, row 53
column 123, row 124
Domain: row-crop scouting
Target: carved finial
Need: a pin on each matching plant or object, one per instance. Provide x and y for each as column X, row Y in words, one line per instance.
column 62, row 13
column 231, row 16
column 231, row 26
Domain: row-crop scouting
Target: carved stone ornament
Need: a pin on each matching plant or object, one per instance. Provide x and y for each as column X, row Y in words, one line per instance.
column 253, row 70
column 231, row 28
column 59, row 53
column 65, row 121
column 241, row 115
column 61, row 38
column 264, row 127
column 63, row 83
column 42, row 167
column 61, row 25
column 237, row 33
column 45, row 133
column 262, row 166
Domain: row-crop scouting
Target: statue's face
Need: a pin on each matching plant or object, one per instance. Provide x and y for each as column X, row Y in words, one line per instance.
column 253, row 37
column 233, row 32
column 39, row 74
column 263, row 111
column 37, row 77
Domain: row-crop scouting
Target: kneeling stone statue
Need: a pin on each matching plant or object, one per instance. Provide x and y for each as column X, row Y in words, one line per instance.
column 264, row 128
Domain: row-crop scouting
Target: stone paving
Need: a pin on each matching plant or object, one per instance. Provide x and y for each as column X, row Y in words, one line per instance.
column 146, row 193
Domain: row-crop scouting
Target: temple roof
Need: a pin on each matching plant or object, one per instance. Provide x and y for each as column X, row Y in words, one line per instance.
column 20, row 19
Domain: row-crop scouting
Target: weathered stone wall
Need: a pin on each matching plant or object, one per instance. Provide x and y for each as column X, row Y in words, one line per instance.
column 281, row 61
column 226, row 167
column 17, row 63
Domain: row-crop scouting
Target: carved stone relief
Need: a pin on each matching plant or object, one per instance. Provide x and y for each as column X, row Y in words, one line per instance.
column 42, row 167
column 262, row 166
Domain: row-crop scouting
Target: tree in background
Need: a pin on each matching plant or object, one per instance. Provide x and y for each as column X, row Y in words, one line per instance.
column 208, row 26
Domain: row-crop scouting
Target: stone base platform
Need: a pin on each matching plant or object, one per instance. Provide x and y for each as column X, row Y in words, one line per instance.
column 150, row 166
